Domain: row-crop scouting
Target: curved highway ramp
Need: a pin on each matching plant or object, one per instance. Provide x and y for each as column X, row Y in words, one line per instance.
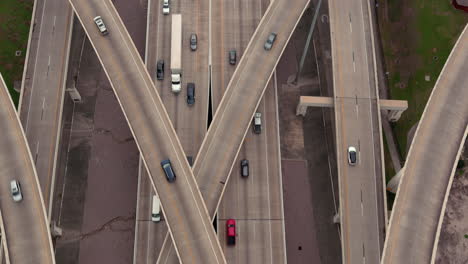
column 420, row 202
column 25, row 231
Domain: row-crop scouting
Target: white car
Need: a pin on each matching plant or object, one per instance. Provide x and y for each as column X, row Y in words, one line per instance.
column 15, row 189
column 257, row 123
column 166, row 7
column 100, row 24
column 352, row 156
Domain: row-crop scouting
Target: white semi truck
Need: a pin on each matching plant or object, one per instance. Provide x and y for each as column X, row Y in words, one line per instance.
column 176, row 53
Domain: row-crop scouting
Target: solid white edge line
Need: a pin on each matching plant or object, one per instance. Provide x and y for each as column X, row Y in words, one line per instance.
column 28, row 49
column 35, row 179
column 59, row 121
column 415, row 134
column 447, row 194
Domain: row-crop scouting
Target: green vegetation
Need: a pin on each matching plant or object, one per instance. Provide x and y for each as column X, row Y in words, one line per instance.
column 417, row 38
column 15, row 18
column 466, row 235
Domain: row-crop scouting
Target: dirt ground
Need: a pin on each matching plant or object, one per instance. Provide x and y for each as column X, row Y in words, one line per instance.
column 453, row 242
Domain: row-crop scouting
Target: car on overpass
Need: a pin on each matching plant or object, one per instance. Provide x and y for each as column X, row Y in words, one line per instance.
column 15, row 189
column 167, row 167
column 101, row 26
column 270, row 40
column 160, row 70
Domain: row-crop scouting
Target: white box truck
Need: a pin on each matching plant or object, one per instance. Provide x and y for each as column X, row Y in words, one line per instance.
column 156, row 212
column 176, row 53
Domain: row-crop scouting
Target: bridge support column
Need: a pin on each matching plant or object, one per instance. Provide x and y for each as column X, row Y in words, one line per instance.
column 394, row 115
column 336, row 218
column 55, row 230
column 392, row 185
column 74, row 94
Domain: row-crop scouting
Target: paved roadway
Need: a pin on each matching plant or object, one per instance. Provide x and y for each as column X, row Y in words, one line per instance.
column 190, row 122
column 357, row 124
column 233, row 118
column 43, row 86
column 255, row 202
column 422, row 194
column 25, row 230
column 183, row 206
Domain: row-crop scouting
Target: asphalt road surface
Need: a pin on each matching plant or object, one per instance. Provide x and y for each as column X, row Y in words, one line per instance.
column 43, row 88
column 420, row 203
column 25, row 229
column 183, row 205
column 233, row 118
column 254, row 202
column 357, row 124
column 190, row 122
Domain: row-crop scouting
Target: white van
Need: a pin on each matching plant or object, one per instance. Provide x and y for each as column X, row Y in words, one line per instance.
column 166, row 7
column 156, row 212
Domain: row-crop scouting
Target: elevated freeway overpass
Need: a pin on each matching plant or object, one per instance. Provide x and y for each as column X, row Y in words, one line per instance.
column 358, row 124
column 430, row 166
column 183, row 206
column 234, row 114
column 25, row 229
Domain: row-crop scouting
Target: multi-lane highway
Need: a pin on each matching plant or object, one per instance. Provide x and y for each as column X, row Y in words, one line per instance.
column 222, row 143
column 190, row 122
column 25, row 229
column 422, row 194
column 43, row 86
column 183, row 206
column 254, row 202
column 357, row 124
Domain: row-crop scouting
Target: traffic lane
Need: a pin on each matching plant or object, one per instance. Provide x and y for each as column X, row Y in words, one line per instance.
column 41, row 119
column 24, row 224
column 256, row 199
column 419, row 203
column 150, row 235
column 352, row 58
column 359, row 181
column 255, row 233
column 191, row 122
column 226, row 151
column 225, row 27
column 235, row 113
column 182, row 199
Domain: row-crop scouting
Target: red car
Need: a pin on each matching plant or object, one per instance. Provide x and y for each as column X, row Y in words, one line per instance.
column 231, row 231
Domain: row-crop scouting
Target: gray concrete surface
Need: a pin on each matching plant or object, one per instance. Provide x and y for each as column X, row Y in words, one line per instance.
column 362, row 210
column 183, row 205
column 234, row 115
column 23, row 224
column 190, row 122
column 43, row 87
column 98, row 172
column 421, row 198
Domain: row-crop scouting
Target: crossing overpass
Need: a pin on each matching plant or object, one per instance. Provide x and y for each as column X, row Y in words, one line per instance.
column 25, row 229
column 183, row 206
column 430, row 166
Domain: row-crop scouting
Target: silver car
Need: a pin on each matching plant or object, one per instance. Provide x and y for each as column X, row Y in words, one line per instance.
column 270, row 40
column 15, row 189
column 193, row 42
column 100, row 24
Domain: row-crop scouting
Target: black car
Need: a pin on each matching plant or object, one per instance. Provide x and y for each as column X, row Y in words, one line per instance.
column 190, row 93
column 160, row 70
column 244, row 168
column 232, row 57
column 167, row 167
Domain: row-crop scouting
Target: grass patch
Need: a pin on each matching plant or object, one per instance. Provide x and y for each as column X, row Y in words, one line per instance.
column 15, row 18
column 417, row 38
